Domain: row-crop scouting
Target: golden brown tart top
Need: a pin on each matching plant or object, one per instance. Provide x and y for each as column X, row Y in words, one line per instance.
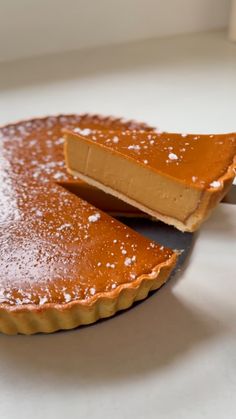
column 55, row 247
column 196, row 160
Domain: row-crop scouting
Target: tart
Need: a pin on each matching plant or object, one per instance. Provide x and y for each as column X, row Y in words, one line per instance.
column 175, row 178
column 63, row 262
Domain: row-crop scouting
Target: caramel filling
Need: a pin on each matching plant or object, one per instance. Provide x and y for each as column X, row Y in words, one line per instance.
column 150, row 190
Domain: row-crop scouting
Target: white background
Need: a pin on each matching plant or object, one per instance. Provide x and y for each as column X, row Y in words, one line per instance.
column 32, row 27
column 184, row 83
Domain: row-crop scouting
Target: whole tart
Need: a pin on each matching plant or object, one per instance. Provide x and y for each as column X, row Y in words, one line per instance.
column 175, row 178
column 63, row 262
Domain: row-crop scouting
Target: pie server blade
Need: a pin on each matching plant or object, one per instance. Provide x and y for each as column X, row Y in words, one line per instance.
column 165, row 235
column 170, row 236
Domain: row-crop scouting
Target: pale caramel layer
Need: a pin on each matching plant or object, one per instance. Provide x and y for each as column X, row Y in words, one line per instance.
column 150, row 189
column 167, row 175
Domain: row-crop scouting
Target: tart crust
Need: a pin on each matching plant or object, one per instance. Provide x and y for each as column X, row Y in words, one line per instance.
column 31, row 319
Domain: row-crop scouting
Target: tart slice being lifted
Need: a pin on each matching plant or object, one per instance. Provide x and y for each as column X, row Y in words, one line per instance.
column 175, row 178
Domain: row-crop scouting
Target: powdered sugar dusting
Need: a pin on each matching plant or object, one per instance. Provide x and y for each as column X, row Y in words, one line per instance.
column 94, row 217
column 84, row 131
column 129, row 261
column 115, row 139
column 172, row 156
column 216, row 184
column 134, row 147
column 92, row 291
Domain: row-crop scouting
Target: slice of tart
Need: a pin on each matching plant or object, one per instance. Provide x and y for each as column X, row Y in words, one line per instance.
column 175, row 178
column 63, row 262
column 84, row 123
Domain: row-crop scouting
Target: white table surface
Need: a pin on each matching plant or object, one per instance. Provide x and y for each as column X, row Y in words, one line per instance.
column 173, row 356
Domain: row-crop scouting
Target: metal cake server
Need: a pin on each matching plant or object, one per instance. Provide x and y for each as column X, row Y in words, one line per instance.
column 170, row 236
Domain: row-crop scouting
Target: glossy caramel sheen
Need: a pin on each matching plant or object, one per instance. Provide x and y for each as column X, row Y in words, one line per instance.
column 196, row 160
column 55, row 247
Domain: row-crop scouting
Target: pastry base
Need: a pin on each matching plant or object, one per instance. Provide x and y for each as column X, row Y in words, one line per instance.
column 206, row 204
